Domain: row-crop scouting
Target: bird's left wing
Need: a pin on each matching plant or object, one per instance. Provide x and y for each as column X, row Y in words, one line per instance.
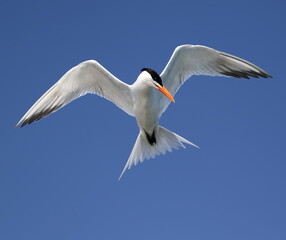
column 87, row 77
column 188, row 60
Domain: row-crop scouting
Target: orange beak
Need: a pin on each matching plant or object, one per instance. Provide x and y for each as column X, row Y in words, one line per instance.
column 165, row 92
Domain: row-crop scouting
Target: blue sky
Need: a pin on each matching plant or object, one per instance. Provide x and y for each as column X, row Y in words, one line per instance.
column 58, row 176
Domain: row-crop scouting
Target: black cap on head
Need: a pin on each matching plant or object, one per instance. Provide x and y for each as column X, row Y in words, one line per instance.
column 156, row 77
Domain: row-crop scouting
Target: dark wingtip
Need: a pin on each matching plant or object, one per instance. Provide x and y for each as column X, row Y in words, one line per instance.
column 20, row 124
column 269, row 76
column 38, row 116
column 246, row 74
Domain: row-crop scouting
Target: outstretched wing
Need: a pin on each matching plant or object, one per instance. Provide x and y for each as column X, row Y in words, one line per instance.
column 188, row 60
column 87, row 77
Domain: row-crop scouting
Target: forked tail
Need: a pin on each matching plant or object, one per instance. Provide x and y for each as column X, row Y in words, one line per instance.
column 165, row 141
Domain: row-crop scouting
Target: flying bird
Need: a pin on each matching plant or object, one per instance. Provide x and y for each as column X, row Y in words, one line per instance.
column 147, row 98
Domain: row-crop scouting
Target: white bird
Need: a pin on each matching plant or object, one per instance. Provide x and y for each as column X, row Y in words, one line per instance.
column 142, row 99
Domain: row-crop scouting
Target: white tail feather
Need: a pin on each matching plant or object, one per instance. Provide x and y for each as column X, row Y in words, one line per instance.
column 165, row 141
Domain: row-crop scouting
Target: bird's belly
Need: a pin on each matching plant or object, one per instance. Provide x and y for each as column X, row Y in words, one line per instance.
column 146, row 120
column 147, row 115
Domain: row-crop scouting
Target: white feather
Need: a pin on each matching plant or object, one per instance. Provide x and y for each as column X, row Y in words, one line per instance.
column 87, row 77
column 188, row 60
column 166, row 141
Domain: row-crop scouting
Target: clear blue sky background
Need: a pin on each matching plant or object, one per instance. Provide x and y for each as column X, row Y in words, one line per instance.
column 58, row 177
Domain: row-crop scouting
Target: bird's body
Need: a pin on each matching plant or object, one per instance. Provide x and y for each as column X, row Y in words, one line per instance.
column 145, row 111
column 145, row 98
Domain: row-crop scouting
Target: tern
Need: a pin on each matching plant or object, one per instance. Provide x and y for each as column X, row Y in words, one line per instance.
column 147, row 98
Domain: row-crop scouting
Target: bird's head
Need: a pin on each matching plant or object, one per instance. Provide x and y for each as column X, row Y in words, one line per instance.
column 153, row 79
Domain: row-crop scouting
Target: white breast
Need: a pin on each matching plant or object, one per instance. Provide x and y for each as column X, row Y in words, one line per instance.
column 146, row 107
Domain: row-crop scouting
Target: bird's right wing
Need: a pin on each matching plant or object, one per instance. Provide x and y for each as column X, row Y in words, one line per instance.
column 188, row 60
column 87, row 77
